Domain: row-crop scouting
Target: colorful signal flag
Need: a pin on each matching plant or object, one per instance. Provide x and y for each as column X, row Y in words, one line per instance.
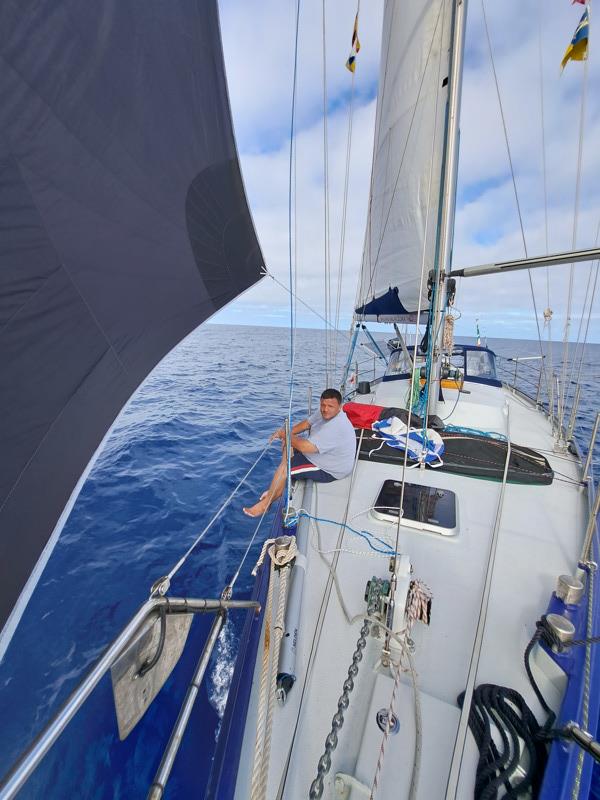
column 577, row 50
column 351, row 63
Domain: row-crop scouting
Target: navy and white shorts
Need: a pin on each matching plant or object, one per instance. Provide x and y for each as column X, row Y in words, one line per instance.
column 303, row 470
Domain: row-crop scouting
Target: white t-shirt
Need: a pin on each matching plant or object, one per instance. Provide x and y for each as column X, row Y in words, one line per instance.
column 336, row 441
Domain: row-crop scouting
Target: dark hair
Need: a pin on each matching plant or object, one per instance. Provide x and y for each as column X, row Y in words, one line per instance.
column 332, row 394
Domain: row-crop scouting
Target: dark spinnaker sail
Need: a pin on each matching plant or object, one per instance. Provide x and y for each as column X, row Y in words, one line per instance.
column 123, row 225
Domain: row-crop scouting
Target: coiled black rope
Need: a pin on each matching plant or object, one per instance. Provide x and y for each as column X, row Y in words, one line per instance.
column 508, row 712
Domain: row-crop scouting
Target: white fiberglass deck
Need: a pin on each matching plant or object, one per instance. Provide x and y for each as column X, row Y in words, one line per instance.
column 540, row 535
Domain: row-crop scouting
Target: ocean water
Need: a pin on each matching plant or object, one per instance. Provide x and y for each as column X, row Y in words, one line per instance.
column 176, row 453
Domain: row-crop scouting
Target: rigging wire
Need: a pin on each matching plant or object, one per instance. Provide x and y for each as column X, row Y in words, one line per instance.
column 298, row 299
column 423, row 267
column 574, row 239
column 327, row 251
column 548, row 320
column 344, row 209
column 433, row 334
column 291, row 262
column 514, row 183
column 368, row 231
column 405, row 148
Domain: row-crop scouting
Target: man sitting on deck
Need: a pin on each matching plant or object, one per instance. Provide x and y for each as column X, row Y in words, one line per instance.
column 326, row 455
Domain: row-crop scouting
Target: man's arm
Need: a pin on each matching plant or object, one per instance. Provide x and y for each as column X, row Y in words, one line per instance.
column 298, row 442
column 299, row 427
column 303, row 445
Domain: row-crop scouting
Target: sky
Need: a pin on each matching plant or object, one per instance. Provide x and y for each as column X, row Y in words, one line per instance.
column 528, row 41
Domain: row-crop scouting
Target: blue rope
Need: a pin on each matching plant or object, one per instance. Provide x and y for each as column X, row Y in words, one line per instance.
column 292, row 320
column 474, row 432
column 387, row 550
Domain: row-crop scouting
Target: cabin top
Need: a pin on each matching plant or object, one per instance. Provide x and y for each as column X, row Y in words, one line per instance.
column 475, row 364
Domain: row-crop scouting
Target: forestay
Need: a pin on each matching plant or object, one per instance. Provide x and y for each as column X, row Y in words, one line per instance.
column 403, row 217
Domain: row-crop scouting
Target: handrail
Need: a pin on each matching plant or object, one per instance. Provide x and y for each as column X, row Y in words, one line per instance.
column 529, row 383
column 28, row 762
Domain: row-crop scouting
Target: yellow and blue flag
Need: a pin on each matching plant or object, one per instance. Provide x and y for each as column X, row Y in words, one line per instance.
column 577, row 50
column 351, row 63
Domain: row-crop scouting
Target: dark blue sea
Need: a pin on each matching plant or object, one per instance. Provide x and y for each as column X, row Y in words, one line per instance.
column 178, row 450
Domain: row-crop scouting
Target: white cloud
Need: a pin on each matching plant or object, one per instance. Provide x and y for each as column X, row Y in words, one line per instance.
column 258, row 42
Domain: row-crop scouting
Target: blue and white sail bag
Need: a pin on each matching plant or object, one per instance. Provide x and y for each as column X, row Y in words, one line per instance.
column 427, row 447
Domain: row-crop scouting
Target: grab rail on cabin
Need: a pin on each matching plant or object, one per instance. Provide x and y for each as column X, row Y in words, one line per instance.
column 165, row 606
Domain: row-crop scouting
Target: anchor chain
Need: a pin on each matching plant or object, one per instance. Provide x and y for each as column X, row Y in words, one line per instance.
column 324, row 765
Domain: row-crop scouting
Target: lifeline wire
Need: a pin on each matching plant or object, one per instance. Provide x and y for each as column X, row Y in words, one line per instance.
column 291, row 265
column 215, row 517
column 579, row 355
column 250, row 543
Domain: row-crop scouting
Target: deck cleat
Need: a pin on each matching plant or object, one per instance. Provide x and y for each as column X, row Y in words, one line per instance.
column 569, row 589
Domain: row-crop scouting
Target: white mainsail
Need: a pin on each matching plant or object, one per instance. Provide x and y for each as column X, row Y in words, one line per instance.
column 403, row 217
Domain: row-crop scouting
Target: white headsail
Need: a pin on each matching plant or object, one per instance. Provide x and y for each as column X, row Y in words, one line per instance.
column 403, row 217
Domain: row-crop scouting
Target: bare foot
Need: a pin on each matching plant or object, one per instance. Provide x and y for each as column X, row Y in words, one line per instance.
column 258, row 508
column 263, row 495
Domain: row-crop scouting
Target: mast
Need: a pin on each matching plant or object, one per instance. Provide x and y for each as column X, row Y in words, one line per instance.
column 448, row 205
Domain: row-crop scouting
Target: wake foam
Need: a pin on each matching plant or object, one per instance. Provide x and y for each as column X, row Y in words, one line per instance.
column 222, row 673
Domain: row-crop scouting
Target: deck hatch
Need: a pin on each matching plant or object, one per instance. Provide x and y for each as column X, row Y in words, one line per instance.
column 425, row 507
